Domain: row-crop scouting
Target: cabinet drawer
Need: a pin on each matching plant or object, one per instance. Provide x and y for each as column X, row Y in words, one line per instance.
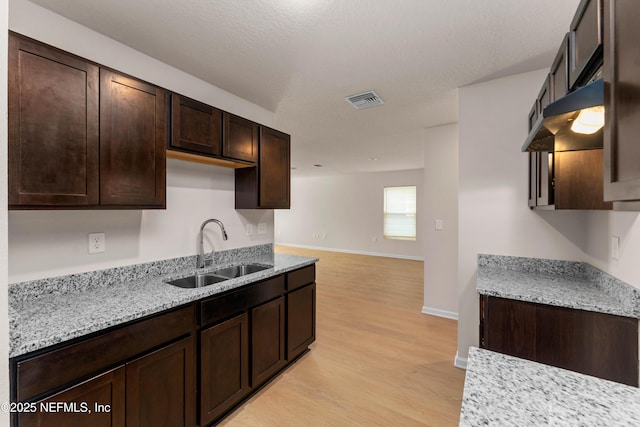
column 301, row 277
column 221, row 307
column 52, row 370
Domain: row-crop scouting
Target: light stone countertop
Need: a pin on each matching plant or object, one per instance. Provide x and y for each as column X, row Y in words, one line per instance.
column 502, row 390
column 561, row 283
column 39, row 321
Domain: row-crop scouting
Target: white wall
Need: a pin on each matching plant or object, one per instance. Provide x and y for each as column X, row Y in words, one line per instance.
column 440, row 202
column 345, row 212
column 4, row 317
column 493, row 175
column 625, row 225
column 49, row 243
column 53, row 243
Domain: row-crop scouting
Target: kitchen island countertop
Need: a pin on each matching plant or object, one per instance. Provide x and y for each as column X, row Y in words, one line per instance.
column 503, row 390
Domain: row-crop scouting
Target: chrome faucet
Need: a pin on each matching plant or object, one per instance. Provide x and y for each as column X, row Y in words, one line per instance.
column 201, row 257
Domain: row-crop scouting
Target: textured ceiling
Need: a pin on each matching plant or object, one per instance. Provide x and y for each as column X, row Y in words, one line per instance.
column 300, row 58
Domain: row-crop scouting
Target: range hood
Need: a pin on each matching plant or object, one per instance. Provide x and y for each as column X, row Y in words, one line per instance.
column 552, row 131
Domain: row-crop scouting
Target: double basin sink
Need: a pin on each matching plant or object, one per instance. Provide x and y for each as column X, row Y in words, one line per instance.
column 199, row 280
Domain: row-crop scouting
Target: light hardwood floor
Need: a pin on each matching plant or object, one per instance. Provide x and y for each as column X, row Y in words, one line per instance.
column 377, row 360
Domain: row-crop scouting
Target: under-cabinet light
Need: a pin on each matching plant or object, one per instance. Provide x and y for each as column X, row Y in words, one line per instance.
column 589, row 121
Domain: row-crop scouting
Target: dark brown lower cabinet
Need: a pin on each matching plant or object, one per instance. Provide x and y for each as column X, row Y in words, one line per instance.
column 162, row 376
column 597, row 344
column 98, row 402
column 267, row 340
column 301, row 320
column 224, row 375
column 157, row 389
column 161, row 387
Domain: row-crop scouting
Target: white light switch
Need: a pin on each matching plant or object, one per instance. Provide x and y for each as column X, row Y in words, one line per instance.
column 439, row 225
column 248, row 229
column 615, row 247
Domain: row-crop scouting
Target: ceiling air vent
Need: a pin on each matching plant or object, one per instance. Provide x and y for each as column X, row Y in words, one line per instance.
column 364, row 100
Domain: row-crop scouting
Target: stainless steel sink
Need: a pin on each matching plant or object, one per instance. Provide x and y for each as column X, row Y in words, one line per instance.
column 196, row 281
column 217, row 276
column 239, row 270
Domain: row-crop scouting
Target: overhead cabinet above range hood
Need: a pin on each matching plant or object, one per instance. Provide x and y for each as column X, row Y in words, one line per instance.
column 552, row 131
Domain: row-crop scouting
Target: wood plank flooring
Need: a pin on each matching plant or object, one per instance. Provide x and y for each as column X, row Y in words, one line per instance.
column 377, row 360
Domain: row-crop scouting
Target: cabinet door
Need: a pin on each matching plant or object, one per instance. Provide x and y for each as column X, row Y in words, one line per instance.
column 301, row 320
column 224, row 367
column 598, row 344
column 578, row 180
column 544, row 96
column 240, row 138
column 267, row 340
column 560, row 71
column 586, row 42
column 275, row 169
column 99, row 402
column 53, row 127
column 509, row 327
column 533, row 160
column 533, row 179
column 267, row 185
column 197, row 127
column 133, row 132
column 545, row 179
column 160, row 387
column 622, row 115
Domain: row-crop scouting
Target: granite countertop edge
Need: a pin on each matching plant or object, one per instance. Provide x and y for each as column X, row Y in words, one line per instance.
column 43, row 322
column 569, row 284
column 501, row 389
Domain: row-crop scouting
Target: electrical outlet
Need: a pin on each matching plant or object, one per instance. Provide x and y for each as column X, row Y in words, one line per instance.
column 97, row 243
column 262, row 228
column 248, row 229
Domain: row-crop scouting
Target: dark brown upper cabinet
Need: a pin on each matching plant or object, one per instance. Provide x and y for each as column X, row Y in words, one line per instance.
column 541, row 192
column 544, row 96
column 133, row 132
column 268, row 184
column 82, row 136
column 53, row 127
column 240, row 139
column 577, row 179
column 559, row 73
column 585, row 42
column 622, row 101
column 564, row 179
column 567, row 180
column 197, row 127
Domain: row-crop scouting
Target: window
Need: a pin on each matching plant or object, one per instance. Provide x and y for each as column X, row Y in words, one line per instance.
column 400, row 213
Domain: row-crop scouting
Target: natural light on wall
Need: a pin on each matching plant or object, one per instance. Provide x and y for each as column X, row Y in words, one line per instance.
column 400, row 213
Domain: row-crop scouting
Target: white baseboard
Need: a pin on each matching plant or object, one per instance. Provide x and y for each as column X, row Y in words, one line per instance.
column 460, row 362
column 439, row 313
column 349, row 251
